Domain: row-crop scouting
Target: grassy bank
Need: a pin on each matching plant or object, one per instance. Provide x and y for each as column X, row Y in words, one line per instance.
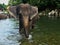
column 46, row 32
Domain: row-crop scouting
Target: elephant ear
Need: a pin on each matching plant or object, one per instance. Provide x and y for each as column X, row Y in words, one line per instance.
column 34, row 12
column 12, row 11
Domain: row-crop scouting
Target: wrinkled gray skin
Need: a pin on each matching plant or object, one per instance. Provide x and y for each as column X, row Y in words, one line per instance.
column 27, row 16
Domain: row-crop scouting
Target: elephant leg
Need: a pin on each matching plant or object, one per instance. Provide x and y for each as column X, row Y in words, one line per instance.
column 30, row 24
column 33, row 25
column 20, row 30
column 21, row 26
column 34, row 20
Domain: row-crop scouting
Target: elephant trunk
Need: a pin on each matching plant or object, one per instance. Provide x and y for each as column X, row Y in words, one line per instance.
column 26, row 25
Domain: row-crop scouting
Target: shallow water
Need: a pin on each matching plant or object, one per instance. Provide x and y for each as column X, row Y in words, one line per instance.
column 9, row 32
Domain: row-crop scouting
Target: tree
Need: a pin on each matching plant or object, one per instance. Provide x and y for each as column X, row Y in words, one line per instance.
column 3, row 6
column 14, row 2
column 41, row 4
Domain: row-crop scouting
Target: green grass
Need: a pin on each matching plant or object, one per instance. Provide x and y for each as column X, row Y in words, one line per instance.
column 46, row 32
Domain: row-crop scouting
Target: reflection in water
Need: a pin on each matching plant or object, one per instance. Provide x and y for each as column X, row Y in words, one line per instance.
column 9, row 32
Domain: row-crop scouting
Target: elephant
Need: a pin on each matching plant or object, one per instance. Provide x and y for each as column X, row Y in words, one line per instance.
column 27, row 16
column 3, row 16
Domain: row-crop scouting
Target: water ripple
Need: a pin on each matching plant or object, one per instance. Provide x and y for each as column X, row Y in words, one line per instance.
column 9, row 35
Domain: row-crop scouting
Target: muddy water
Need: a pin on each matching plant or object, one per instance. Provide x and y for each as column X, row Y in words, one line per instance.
column 9, row 32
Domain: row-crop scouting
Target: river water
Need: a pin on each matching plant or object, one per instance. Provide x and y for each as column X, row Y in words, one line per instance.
column 9, row 32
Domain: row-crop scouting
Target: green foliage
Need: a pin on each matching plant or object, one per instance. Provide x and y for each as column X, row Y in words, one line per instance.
column 3, row 6
column 14, row 2
column 42, row 4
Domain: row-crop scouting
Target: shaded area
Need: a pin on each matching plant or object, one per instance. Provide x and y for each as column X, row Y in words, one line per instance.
column 46, row 32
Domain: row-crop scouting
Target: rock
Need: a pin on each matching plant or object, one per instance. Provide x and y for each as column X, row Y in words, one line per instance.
column 3, row 16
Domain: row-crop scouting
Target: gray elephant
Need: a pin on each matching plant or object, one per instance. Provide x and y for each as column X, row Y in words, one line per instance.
column 27, row 16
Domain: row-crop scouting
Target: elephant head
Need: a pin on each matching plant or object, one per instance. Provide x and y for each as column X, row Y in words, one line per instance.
column 26, row 14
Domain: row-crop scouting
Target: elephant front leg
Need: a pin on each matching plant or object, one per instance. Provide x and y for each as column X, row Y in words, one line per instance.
column 33, row 25
column 21, row 26
column 33, row 22
column 20, row 30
